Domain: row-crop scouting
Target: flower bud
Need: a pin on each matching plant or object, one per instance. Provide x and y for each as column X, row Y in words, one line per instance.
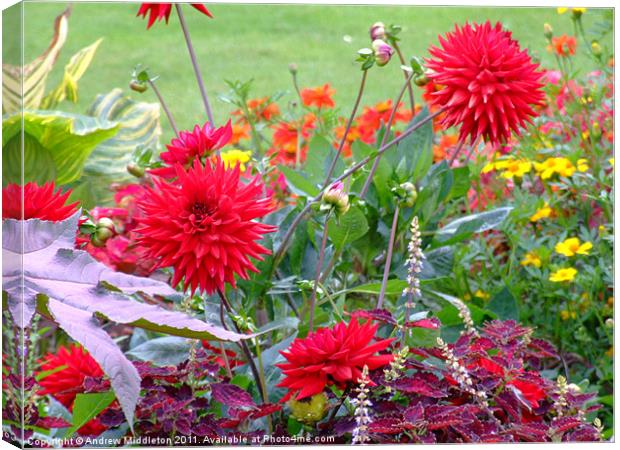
column 596, row 49
column 420, row 80
column 383, row 52
column 411, row 193
column 548, row 31
column 335, row 197
column 309, row 410
column 135, row 170
column 578, row 12
column 104, row 230
column 609, row 323
column 292, row 68
column 138, row 86
column 377, row 31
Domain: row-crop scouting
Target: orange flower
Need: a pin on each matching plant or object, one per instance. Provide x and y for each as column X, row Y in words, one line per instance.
column 564, row 45
column 260, row 109
column 285, row 137
column 239, row 131
column 446, row 142
column 320, row 96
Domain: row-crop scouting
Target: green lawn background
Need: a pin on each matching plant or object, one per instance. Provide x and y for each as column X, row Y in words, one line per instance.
column 259, row 42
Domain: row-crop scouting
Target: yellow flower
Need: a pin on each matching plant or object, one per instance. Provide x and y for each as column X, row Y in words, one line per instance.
column 563, row 275
column 233, row 157
column 481, row 294
column 564, row 167
column 541, row 213
column 565, row 315
column 582, row 165
column 562, row 10
column 531, row 259
column 516, row 168
column 611, row 161
column 572, row 247
column 550, row 166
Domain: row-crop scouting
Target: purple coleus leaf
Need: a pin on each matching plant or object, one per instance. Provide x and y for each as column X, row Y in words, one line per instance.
column 231, row 395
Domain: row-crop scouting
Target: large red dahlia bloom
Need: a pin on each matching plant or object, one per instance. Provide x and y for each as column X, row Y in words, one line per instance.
column 203, row 225
column 40, row 202
column 191, row 144
column 331, row 356
column 159, row 11
column 487, row 84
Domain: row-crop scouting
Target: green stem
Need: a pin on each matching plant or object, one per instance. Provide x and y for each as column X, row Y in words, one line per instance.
column 318, row 274
column 388, row 261
column 407, row 77
column 165, row 108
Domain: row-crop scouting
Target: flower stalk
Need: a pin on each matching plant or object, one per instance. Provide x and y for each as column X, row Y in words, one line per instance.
column 164, row 107
column 388, row 261
column 317, row 277
column 192, row 55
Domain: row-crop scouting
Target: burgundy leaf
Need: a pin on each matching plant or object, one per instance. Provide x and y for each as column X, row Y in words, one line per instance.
column 381, row 315
column 48, row 423
column 231, row 395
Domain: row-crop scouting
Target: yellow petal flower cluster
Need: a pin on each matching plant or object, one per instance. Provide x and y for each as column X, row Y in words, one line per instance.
column 572, row 247
column 541, row 213
column 531, row 259
column 233, row 157
column 562, row 166
column 560, row 275
column 510, row 167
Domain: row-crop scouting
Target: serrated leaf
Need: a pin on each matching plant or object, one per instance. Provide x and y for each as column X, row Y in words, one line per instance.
column 299, row 184
column 86, row 407
column 348, row 228
column 393, row 287
column 56, row 145
column 231, row 395
column 418, row 147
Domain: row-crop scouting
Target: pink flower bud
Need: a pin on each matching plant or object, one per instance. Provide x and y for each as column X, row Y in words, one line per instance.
column 383, row 52
column 377, row 31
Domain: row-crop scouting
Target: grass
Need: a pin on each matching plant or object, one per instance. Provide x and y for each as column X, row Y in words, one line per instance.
column 259, row 42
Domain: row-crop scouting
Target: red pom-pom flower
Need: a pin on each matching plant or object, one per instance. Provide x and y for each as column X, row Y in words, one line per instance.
column 331, row 356
column 159, row 11
column 486, row 83
column 40, row 202
column 200, row 142
column 203, row 225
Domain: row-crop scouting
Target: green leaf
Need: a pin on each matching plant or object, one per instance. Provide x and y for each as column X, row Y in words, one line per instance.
column 461, row 183
column 393, row 287
column 138, row 128
column 86, row 407
column 299, row 184
column 418, row 147
column 27, row 92
column 348, row 228
column 504, row 305
column 360, row 150
column 475, row 223
column 74, row 70
column 449, row 315
column 422, row 337
column 56, row 145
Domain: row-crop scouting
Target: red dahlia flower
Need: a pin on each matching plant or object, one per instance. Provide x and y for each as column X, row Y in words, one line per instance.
column 75, row 364
column 159, row 11
column 191, row 144
column 331, row 356
column 487, row 84
column 40, row 202
column 203, row 225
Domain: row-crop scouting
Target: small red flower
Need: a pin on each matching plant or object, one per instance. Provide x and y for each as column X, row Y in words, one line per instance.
column 564, row 45
column 74, row 364
column 320, row 96
column 159, row 11
column 487, row 84
column 203, row 225
column 40, row 202
column 331, row 356
column 191, row 144
column 70, row 366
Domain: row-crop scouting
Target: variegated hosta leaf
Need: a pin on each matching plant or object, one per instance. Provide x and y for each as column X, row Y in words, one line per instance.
column 55, row 147
column 34, row 73
column 67, row 88
column 43, row 272
column 138, row 127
